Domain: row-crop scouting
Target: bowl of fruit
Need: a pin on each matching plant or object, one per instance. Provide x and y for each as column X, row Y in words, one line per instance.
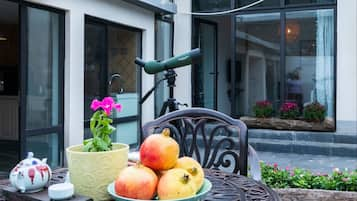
column 160, row 174
column 199, row 196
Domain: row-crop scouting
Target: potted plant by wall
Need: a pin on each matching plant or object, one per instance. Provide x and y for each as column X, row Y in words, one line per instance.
column 97, row 162
column 263, row 109
column 289, row 110
column 314, row 112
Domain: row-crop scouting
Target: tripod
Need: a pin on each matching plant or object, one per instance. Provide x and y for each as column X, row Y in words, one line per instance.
column 170, row 103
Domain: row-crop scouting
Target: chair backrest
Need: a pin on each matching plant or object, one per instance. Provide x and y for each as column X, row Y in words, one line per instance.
column 214, row 139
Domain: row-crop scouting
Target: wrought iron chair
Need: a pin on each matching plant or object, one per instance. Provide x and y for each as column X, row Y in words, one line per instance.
column 214, row 139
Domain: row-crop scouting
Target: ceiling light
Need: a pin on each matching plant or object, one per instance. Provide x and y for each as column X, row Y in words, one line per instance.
column 2, row 38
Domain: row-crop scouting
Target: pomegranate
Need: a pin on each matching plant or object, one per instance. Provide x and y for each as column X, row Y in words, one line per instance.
column 138, row 182
column 176, row 183
column 159, row 151
column 192, row 167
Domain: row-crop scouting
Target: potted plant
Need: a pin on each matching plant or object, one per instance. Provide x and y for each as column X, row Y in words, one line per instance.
column 289, row 110
column 97, row 162
column 314, row 112
column 263, row 109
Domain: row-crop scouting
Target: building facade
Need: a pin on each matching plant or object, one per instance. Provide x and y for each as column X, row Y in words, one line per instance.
column 66, row 53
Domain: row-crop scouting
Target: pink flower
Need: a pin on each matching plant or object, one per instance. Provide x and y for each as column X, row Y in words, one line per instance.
column 346, row 179
column 107, row 104
column 95, row 104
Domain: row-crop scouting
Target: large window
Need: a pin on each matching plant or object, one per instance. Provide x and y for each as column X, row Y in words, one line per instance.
column 110, row 51
column 286, row 56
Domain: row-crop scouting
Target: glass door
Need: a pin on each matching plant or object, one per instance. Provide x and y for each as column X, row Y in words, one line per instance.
column 205, row 72
column 110, row 51
column 41, row 104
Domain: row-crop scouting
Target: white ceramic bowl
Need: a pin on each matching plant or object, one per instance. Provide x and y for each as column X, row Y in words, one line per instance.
column 61, row 191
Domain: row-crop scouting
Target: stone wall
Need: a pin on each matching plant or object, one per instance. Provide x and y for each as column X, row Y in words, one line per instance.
column 287, row 124
column 296, row 194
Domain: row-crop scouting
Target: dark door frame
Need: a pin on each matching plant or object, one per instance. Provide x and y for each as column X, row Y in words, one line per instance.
column 195, row 44
column 23, row 58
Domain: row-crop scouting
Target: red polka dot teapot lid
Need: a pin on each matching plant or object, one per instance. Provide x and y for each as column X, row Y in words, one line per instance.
column 30, row 160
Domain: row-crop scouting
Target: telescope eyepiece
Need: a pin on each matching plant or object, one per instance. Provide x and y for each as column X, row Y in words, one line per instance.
column 139, row 62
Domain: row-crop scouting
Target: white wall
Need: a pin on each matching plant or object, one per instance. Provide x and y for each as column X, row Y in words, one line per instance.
column 112, row 10
column 346, row 60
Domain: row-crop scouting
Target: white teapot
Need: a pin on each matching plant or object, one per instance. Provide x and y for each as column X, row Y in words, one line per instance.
column 31, row 174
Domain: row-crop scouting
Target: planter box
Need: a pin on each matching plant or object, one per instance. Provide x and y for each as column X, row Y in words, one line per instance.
column 296, row 194
column 287, row 124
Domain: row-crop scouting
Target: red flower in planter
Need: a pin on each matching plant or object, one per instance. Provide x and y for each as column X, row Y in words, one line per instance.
column 263, row 109
column 289, row 110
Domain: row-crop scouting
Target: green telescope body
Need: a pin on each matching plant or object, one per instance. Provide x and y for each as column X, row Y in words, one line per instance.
column 152, row 67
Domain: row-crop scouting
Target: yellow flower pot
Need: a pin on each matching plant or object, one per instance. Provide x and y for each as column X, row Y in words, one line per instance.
column 92, row 172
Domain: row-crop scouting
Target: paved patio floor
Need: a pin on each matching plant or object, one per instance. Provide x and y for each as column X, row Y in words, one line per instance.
column 315, row 163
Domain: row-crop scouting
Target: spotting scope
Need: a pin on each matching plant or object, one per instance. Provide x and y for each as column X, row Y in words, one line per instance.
column 152, row 67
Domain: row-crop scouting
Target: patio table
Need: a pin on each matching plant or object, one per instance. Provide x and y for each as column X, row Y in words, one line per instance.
column 226, row 187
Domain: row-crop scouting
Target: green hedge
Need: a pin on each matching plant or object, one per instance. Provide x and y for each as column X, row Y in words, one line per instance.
column 300, row 178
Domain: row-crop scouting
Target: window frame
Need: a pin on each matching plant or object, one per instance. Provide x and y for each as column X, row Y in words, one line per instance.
column 23, row 69
column 106, row 23
column 283, row 9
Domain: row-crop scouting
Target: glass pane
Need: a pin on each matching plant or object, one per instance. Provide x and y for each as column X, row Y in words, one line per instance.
column 163, row 51
column 123, row 48
column 211, row 5
column 205, row 71
column 126, row 133
column 94, row 65
column 310, row 58
column 309, row 1
column 43, row 72
column 265, row 3
column 45, row 146
column 258, row 61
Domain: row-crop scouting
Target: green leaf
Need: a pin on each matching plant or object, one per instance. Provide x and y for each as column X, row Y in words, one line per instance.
column 101, row 144
column 88, row 146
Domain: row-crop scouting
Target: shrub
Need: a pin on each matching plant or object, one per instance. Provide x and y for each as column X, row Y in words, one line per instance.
column 289, row 110
column 314, row 112
column 263, row 109
column 275, row 177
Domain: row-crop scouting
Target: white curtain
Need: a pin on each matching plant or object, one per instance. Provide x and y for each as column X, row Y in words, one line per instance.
column 324, row 74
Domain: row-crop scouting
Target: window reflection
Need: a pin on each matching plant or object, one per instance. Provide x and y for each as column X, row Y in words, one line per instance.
column 309, row 1
column 310, row 58
column 43, row 62
column 265, row 3
column 258, row 54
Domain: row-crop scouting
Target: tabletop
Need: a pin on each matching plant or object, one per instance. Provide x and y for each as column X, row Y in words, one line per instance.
column 234, row 187
column 225, row 187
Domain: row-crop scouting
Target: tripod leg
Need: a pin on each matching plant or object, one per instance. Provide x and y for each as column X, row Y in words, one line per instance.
column 164, row 108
